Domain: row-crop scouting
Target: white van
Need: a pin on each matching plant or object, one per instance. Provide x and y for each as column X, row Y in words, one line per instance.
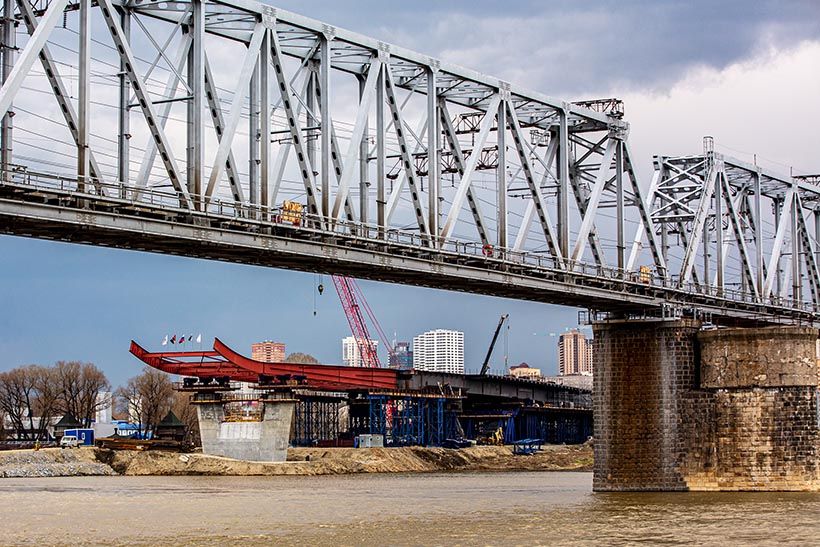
column 69, row 441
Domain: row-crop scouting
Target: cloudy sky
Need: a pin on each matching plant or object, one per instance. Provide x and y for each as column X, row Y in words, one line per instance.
column 747, row 73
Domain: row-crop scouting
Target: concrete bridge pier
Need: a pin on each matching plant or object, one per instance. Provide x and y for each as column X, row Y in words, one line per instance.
column 677, row 408
column 257, row 430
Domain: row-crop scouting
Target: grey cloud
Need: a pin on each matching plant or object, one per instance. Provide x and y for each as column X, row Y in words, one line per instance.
column 570, row 48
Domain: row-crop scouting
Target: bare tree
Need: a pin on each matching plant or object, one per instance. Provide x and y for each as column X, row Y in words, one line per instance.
column 30, row 399
column 80, row 385
column 147, row 398
column 302, row 359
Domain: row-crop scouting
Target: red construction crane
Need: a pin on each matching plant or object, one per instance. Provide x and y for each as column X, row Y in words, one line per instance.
column 350, row 294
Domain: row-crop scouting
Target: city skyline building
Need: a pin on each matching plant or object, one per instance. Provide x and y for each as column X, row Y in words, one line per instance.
column 268, row 352
column 402, row 356
column 439, row 350
column 351, row 357
column 574, row 353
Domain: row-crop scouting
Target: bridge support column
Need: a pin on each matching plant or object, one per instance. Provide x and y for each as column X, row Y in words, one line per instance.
column 728, row 409
column 263, row 436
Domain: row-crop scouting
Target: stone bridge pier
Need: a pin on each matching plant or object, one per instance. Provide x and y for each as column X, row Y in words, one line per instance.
column 680, row 408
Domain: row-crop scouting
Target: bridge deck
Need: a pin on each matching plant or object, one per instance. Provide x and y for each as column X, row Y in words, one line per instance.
column 50, row 209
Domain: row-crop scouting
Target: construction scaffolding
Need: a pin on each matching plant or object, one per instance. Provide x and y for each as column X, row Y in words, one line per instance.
column 407, row 420
column 317, row 420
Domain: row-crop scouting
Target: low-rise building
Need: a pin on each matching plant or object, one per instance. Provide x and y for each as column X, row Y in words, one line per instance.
column 525, row 371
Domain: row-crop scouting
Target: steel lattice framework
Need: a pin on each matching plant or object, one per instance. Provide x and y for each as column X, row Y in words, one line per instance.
column 394, row 159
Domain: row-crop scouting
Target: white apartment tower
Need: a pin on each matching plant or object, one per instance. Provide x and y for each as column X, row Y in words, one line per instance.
column 350, row 351
column 439, row 351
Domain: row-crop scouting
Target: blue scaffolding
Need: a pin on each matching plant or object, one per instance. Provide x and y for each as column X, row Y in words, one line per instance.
column 408, row 420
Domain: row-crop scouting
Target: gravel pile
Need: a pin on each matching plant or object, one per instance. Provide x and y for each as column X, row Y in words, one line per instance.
column 51, row 463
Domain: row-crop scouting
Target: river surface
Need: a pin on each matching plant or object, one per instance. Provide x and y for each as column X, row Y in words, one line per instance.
column 414, row 509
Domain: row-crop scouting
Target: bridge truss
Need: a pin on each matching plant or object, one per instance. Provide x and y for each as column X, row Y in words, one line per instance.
column 404, row 168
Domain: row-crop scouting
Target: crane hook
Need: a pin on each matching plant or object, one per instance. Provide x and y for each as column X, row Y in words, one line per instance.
column 321, row 289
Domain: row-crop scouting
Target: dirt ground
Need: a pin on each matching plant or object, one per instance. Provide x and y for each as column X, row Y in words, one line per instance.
column 338, row 461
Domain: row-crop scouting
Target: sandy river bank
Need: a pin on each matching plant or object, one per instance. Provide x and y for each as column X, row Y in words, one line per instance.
column 301, row 461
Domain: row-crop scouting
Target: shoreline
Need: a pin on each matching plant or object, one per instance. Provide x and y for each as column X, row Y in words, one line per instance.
column 55, row 462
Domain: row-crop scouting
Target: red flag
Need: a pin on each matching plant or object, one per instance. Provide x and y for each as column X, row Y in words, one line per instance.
column 174, row 339
column 182, row 339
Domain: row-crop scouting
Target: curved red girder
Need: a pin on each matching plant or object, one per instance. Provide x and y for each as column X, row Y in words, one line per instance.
column 202, row 364
column 222, row 361
column 347, row 377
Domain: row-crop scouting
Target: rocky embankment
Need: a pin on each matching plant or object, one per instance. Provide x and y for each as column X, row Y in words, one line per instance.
column 301, row 461
column 52, row 462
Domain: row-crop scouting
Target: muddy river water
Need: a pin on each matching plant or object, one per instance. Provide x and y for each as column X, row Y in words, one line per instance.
column 418, row 509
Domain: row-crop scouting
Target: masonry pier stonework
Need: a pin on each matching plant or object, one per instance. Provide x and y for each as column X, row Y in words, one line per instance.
column 681, row 408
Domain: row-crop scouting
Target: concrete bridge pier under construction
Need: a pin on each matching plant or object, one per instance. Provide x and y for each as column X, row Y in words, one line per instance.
column 681, row 408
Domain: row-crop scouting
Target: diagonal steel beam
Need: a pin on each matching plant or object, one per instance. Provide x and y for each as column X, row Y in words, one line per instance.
column 215, row 108
column 594, row 199
column 355, row 146
column 469, row 169
column 537, row 198
column 30, row 53
column 458, row 154
column 163, row 144
column 60, row 91
column 734, row 218
column 704, row 209
column 244, row 79
column 643, row 211
column 164, row 111
column 300, row 145
column 529, row 212
column 406, row 158
column 777, row 246
column 809, row 252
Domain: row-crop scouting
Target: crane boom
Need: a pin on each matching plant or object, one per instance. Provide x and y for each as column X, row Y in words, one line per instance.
column 353, row 313
column 486, row 364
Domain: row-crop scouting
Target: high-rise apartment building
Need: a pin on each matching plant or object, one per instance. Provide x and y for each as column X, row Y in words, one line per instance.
column 574, row 353
column 439, row 351
column 268, row 352
column 402, row 357
column 351, row 357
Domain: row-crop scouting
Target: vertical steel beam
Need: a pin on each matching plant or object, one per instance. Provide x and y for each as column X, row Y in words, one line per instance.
column 364, row 161
column 778, row 220
column 83, row 95
column 196, row 105
column 797, row 272
column 124, row 112
column 758, row 231
column 381, row 170
column 699, row 230
column 619, row 204
column 324, row 84
column 9, row 45
column 433, row 180
column 501, row 175
column 253, row 135
column 721, row 264
column 265, row 127
column 563, row 183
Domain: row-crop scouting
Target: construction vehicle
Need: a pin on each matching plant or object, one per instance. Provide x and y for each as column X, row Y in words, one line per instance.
column 486, row 364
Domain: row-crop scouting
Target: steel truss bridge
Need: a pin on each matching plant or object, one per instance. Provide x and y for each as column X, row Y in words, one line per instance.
column 232, row 130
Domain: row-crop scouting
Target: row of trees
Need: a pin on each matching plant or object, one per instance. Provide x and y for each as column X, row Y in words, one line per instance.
column 31, row 396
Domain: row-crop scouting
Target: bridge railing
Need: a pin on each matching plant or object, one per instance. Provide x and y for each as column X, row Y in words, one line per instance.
column 445, row 249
